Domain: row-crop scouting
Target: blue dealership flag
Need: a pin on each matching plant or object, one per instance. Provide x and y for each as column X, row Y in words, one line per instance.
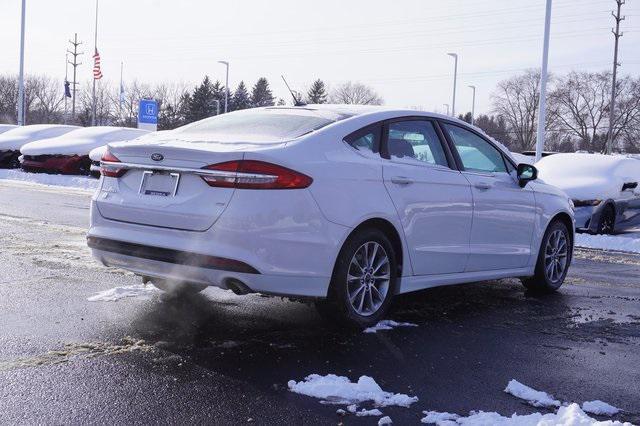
column 67, row 89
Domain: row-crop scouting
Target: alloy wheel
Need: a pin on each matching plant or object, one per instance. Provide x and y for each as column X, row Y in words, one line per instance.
column 556, row 256
column 368, row 278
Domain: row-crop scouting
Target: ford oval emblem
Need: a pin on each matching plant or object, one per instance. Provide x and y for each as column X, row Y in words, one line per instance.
column 157, row 156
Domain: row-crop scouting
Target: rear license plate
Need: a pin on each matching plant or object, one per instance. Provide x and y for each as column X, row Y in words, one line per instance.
column 162, row 184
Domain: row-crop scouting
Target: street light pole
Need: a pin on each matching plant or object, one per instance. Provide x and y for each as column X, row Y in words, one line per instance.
column 226, row 87
column 455, row 80
column 473, row 105
column 21, row 72
column 542, row 112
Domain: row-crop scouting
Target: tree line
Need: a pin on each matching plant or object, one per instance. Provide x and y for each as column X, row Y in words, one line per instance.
column 577, row 106
column 578, row 112
column 178, row 104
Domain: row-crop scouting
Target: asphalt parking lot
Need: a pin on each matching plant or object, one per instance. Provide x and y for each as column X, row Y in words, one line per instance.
column 220, row 358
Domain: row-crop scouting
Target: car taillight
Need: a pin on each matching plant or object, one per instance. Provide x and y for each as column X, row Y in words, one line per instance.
column 251, row 174
column 110, row 170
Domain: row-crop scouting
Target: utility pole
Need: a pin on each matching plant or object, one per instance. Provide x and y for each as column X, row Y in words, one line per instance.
column 612, row 106
column 21, row 73
column 455, row 80
column 447, row 106
column 473, row 105
column 75, row 43
column 542, row 111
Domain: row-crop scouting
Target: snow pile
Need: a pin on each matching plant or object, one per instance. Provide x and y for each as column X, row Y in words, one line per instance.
column 388, row 325
column 532, row 396
column 81, row 182
column 139, row 291
column 609, row 242
column 386, row 420
column 599, row 408
column 340, row 390
column 570, row 415
column 353, row 409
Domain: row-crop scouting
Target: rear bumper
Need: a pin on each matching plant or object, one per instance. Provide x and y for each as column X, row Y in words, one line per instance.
column 6, row 157
column 278, row 285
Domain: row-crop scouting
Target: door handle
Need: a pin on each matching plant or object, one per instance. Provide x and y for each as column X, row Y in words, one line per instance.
column 401, row 180
column 483, row 185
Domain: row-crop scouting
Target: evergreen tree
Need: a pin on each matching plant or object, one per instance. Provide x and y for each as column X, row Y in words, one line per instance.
column 261, row 94
column 201, row 103
column 317, row 94
column 241, row 98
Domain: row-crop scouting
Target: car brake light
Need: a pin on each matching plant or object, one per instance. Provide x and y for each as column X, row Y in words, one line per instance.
column 110, row 170
column 252, row 174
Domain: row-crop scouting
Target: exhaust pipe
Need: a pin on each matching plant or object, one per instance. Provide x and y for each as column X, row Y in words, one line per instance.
column 238, row 287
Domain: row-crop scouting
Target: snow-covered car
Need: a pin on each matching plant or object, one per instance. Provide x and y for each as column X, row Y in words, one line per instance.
column 604, row 189
column 12, row 140
column 6, row 127
column 69, row 153
column 96, row 154
column 347, row 205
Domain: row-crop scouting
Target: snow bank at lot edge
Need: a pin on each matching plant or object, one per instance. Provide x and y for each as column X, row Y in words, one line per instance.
column 79, row 182
column 532, row 396
column 630, row 243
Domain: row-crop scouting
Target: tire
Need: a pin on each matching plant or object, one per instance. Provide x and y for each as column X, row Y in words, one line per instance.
column 554, row 259
column 607, row 220
column 364, row 281
column 177, row 288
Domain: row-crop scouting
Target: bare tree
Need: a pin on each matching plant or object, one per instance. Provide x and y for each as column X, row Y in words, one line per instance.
column 48, row 100
column 8, row 98
column 627, row 117
column 105, row 113
column 355, row 93
column 516, row 100
column 580, row 104
column 172, row 100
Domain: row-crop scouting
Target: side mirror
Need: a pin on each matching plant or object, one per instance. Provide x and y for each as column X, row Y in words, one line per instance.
column 629, row 185
column 526, row 173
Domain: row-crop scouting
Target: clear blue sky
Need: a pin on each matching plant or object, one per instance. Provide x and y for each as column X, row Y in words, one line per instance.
column 398, row 47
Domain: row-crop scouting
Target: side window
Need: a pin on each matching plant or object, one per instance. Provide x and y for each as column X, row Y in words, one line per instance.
column 366, row 141
column 476, row 153
column 415, row 141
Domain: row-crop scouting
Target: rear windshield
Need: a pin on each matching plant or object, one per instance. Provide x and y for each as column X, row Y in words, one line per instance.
column 256, row 126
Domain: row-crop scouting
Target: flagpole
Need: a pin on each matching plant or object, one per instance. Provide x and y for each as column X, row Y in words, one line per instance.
column 66, row 77
column 121, row 91
column 95, row 46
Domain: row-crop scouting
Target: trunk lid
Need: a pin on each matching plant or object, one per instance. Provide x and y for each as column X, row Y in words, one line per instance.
column 159, row 192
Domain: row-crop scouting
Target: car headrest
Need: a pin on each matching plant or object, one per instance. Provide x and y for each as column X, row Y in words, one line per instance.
column 400, row 148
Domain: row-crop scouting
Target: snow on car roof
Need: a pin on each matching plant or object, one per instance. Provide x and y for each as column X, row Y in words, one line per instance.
column 81, row 141
column 14, row 139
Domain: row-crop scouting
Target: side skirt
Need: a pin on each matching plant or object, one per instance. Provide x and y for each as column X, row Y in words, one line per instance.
column 421, row 282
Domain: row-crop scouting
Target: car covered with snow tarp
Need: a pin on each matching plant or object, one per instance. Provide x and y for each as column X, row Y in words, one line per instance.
column 604, row 189
column 12, row 140
column 69, row 153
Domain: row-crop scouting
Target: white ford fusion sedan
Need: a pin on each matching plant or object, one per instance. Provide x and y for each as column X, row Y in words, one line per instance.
column 346, row 206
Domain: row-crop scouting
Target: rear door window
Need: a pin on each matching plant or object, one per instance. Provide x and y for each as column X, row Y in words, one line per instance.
column 416, row 142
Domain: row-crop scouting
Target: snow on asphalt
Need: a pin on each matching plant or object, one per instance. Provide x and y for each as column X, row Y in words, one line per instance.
column 139, row 291
column 80, row 182
column 622, row 242
column 599, row 408
column 388, row 325
column 340, row 390
column 567, row 416
column 532, row 396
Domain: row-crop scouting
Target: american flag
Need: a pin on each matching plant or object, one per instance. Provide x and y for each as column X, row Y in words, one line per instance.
column 97, row 73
